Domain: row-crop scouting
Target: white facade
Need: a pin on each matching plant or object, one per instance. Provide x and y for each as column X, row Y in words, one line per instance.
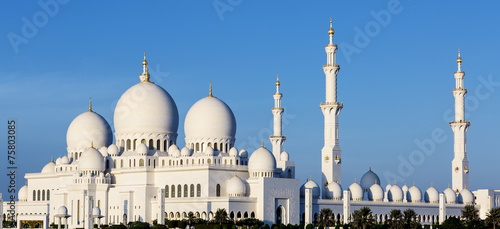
column 145, row 176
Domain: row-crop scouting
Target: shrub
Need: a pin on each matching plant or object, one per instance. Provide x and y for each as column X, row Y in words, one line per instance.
column 309, row 226
column 181, row 224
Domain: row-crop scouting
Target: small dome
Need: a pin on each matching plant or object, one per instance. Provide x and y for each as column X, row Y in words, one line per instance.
column 235, row 187
column 86, row 129
column 175, row 152
column 96, row 211
column 49, row 168
column 395, row 194
column 376, row 193
column 65, row 160
column 243, row 153
column 466, row 197
column 368, row 179
column 312, row 185
column 233, row 152
column 104, row 151
column 172, row 148
column 58, row 161
column 451, row 197
column 414, row 195
column 209, row 151
column 113, row 150
column 388, row 187
column 431, row 195
column 210, row 117
column 185, row 152
column 334, row 191
column 261, row 160
column 91, row 160
column 23, row 193
column 284, row 156
column 356, row 191
column 146, row 108
column 142, row 149
column 62, row 211
column 404, row 188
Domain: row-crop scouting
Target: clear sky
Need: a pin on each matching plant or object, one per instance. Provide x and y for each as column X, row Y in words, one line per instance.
column 397, row 61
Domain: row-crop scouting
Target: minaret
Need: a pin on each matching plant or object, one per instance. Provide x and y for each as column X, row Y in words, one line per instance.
column 330, row 154
column 277, row 139
column 460, row 165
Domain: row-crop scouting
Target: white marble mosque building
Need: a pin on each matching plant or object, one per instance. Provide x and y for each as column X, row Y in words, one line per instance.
column 144, row 175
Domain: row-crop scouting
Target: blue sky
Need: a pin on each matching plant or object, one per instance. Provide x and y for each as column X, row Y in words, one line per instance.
column 395, row 83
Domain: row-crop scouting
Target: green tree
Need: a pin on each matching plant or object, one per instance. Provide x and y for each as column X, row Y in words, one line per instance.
column 326, row 218
column 452, row 223
column 220, row 216
column 396, row 219
column 190, row 218
column 410, row 219
column 363, row 218
column 469, row 212
column 493, row 217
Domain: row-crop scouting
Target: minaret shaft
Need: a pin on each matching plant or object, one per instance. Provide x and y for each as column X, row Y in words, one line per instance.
column 460, row 164
column 277, row 140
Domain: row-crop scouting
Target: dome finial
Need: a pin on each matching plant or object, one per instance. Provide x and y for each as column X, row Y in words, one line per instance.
column 311, row 177
column 262, row 144
column 210, row 90
column 376, row 182
column 277, row 79
column 144, row 62
column 432, row 185
column 92, row 144
column 235, row 174
column 330, row 31
column 355, row 181
column 52, row 159
column 395, row 182
column 90, row 104
column 413, row 183
column 370, row 169
column 448, row 185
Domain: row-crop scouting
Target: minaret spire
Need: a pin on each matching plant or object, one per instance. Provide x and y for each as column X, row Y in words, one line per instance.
column 331, row 153
column 460, row 164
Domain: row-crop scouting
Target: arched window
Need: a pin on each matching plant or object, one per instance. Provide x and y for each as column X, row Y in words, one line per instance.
column 198, row 190
column 221, row 147
column 179, row 191
column 197, row 147
column 217, row 190
column 143, row 141
column 236, row 162
column 151, row 144
column 48, row 194
column 180, row 162
column 173, row 190
column 114, row 164
column 210, row 144
column 166, row 191
column 107, row 164
column 191, row 193
column 185, row 190
column 209, row 161
column 141, row 162
column 128, row 144
column 34, row 196
column 215, row 146
column 121, row 163
column 165, row 145
column 158, row 144
column 38, row 195
column 252, row 215
column 162, row 162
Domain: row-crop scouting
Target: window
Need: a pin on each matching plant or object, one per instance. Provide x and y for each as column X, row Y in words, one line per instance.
column 114, row 164
column 48, row 194
column 34, row 196
column 151, row 144
column 179, row 191
column 107, row 164
column 166, row 191
column 158, row 144
column 198, row 190
column 191, row 194
column 197, row 147
column 128, row 144
column 185, row 190
column 38, row 195
column 173, row 191
column 141, row 162
column 217, row 191
column 121, row 163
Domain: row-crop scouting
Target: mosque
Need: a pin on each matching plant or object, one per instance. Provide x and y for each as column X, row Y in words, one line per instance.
column 145, row 176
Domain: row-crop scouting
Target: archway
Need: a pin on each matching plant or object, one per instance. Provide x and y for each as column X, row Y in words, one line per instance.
column 280, row 215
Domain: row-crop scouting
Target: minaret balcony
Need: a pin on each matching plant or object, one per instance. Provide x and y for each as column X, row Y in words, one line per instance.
column 460, row 89
column 460, row 122
column 332, row 103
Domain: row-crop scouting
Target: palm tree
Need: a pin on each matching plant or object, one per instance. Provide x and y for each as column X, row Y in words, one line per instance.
column 410, row 218
column 470, row 213
column 493, row 217
column 396, row 220
column 363, row 218
column 190, row 218
column 220, row 216
column 326, row 217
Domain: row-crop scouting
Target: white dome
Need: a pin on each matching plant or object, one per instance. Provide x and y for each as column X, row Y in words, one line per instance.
column 388, row 187
column 243, row 153
column 49, row 168
column 91, row 160
column 376, row 193
column 404, row 188
column 65, row 160
column 284, row 156
column 113, row 150
column 62, row 211
column 209, row 118
column 172, row 148
column 414, row 195
column 104, row 151
column 86, row 129
column 451, row 197
column 334, row 191
column 395, row 194
column 261, row 160
column 368, row 179
column 185, row 152
column 356, row 191
column 58, row 161
column 142, row 149
column 431, row 195
column 466, row 197
column 209, row 151
column 96, row 212
column 235, row 187
column 23, row 193
column 233, row 152
column 175, row 152
column 146, row 108
column 312, row 185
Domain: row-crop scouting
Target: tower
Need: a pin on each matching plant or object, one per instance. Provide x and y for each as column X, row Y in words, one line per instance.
column 460, row 164
column 330, row 154
column 277, row 139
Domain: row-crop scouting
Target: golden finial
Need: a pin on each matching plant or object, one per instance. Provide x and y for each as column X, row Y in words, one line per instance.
column 146, row 77
column 432, row 185
column 262, row 144
column 413, row 183
column 311, row 177
column 90, row 104
column 331, row 32
column 376, row 182
column 26, row 184
column 448, row 185
column 210, row 91
column 235, row 175
column 395, row 183
column 334, row 180
column 52, row 160
column 459, row 59
column 92, row 144
column 144, row 62
column 355, row 181
column 370, row 169
column 277, row 79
